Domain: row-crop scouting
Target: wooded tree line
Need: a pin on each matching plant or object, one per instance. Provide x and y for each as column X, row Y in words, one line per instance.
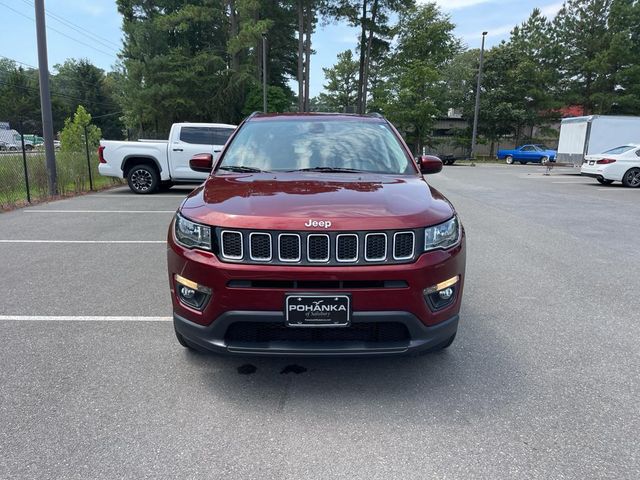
column 202, row 61
column 587, row 56
column 74, row 83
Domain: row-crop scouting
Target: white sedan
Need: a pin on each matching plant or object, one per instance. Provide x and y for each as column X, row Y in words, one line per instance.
column 620, row 164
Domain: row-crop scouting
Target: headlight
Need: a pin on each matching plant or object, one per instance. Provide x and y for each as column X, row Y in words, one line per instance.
column 192, row 235
column 445, row 235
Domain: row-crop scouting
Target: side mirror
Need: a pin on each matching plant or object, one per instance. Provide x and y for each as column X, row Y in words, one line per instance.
column 202, row 162
column 429, row 164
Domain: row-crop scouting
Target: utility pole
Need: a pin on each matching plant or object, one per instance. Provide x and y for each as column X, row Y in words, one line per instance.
column 264, row 72
column 477, row 109
column 45, row 97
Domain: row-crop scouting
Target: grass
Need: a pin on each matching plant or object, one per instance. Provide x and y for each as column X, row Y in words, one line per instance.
column 72, row 172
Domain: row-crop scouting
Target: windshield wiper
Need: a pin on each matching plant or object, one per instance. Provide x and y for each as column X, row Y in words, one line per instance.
column 327, row 169
column 241, row 169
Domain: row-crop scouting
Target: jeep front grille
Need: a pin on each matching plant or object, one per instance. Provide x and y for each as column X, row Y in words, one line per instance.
column 314, row 248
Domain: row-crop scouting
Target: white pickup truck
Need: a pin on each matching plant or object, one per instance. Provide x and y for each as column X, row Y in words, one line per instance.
column 150, row 165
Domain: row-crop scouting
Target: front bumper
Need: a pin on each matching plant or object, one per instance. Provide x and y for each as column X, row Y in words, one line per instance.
column 239, row 298
column 214, row 336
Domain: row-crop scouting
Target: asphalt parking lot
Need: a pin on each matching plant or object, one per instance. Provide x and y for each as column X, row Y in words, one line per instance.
column 542, row 381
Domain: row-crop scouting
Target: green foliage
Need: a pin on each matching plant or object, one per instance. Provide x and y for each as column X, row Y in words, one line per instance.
column 278, row 100
column 199, row 61
column 72, row 137
column 414, row 92
column 342, row 84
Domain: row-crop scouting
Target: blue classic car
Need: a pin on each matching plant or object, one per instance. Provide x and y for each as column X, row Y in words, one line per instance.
column 528, row 153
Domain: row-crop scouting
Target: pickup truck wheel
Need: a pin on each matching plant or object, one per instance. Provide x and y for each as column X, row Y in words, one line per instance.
column 143, row 179
column 604, row 181
column 631, row 178
column 509, row 159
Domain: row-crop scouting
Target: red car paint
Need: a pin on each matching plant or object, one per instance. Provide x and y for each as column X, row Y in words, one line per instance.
column 289, row 201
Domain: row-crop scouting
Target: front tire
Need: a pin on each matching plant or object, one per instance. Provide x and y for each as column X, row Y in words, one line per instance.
column 631, row 178
column 604, row 181
column 143, row 179
column 509, row 160
column 544, row 160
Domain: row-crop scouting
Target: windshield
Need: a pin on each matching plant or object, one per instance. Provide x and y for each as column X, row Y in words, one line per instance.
column 317, row 144
column 618, row 150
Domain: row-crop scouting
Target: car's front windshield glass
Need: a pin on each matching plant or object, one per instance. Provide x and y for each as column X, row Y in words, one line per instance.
column 317, row 143
column 618, row 150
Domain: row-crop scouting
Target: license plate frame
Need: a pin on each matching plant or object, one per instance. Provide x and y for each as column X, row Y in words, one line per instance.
column 320, row 317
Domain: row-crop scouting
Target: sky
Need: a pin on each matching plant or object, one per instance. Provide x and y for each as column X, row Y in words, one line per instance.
column 91, row 29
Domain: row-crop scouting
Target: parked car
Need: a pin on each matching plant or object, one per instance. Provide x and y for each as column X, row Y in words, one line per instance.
column 590, row 135
column 316, row 234
column 14, row 147
column 528, row 154
column 149, row 165
column 620, row 164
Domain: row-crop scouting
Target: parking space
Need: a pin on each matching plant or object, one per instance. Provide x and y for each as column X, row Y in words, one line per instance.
column 542, row 381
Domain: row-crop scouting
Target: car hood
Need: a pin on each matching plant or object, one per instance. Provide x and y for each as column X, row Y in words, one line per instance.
column 287, row 201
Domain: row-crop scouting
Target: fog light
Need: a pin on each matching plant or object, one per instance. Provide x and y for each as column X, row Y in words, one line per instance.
column 446, row 294
column 441, row 294
column 192, row 294
column 187, row 292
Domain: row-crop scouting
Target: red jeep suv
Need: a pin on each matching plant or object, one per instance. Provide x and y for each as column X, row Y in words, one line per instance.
column 316, row 234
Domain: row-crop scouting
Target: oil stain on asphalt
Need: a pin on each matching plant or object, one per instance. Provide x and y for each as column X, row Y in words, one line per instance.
column 297, row 369
column 247, row 369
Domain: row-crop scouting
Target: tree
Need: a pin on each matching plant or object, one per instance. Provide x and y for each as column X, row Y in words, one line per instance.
column 79, row 82
column 372, row 18
column 72, row 137
column 341, row 87
column 414, row 95
column 581, row 29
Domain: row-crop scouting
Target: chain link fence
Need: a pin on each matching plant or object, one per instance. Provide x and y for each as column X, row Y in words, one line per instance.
column 24, row 175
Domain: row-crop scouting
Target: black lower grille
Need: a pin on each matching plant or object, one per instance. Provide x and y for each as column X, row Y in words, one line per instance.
column 264, row 332
column 318, row 284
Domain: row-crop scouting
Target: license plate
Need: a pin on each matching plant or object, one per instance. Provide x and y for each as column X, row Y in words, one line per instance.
column 310, row 310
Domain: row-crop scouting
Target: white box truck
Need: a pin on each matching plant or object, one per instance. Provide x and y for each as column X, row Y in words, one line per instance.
column 580, row 136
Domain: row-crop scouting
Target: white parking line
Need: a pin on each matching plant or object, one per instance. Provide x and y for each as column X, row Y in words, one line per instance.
column 98, row 211
column 84, row 241
column 81, row 318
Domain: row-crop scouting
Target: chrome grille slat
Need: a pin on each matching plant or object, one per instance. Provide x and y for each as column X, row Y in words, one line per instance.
column 231, row 244
column 404, row 245
column 260, row 248
column 347, row 244
column 318, row 247
column 375, row 248
column 289, row 247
